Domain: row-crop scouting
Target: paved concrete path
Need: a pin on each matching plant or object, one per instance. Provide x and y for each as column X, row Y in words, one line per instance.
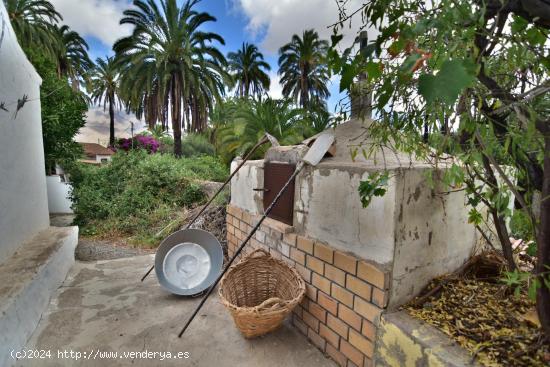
column 102, row 307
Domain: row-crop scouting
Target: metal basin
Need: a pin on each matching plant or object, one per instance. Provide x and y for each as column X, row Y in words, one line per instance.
column 188, row 261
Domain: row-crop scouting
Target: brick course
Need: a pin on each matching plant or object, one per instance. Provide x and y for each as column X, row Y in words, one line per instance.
column 344, row 295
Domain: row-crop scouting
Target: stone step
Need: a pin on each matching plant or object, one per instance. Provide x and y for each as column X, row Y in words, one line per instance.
column 27, row 282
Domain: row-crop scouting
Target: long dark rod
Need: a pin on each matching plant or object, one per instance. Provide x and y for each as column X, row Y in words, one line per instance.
column 260, row 143
column 237, row 253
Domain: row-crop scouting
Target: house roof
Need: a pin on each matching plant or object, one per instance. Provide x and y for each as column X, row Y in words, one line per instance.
column 93, row 149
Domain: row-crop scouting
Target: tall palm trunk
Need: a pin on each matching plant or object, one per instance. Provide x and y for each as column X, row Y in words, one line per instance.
column 75, row 84
column 304, row 87
column 246, row 85
column 176, row 116
column 112, row 119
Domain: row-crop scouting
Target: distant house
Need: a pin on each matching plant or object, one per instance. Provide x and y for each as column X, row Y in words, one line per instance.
column 95, row 153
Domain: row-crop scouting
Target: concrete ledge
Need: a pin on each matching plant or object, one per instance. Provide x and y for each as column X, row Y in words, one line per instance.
column 405, row 341
column 28, row 280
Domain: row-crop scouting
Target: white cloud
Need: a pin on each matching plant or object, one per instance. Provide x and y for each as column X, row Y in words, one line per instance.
column 96, row 18
column 275, row 88
column 283, row 18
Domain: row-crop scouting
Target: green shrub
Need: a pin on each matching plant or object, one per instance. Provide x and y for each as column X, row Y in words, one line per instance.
column 138, row 194
column 166, row 144
column 197, row 145
column 63, row 112
column 520, row 225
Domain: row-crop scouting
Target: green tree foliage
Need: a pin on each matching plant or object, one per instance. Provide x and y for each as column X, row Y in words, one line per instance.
column 247, row 121
column 63, row 114
column 71, row 53
column 317, row 119
column 168, row 61
column 248, row 70
column 32, row 22
column 137, row 194
column 303, row 69
column 36, row 25
column 196, row 145
column 470, row 79
column 105, row 90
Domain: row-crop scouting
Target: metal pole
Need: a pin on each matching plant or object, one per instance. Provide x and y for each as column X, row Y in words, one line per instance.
column 260, row 143
column 238, row 252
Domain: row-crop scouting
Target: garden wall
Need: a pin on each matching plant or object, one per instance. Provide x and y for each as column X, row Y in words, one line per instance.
column 58, row 195
column 23, row 196
column 345, row 295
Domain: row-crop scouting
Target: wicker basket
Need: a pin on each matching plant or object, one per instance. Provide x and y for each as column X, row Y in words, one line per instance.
column 260, row 292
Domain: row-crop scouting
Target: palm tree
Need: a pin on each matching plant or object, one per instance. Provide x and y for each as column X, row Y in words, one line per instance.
column 317, row 119
column 304, row 74
column 32, row 22
column 252, row 119
column 181, row 66
column 247, row 67
column 71, row 55
column 104, row 83
column 141, row 92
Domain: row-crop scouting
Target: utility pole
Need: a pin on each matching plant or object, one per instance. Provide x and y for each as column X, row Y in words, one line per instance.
column 132, row 133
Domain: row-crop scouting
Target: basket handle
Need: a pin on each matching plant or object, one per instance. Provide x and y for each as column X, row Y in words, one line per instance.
column 271, row 303
column 258, row 253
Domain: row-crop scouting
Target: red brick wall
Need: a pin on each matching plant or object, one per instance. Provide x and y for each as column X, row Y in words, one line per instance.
column 345, row 296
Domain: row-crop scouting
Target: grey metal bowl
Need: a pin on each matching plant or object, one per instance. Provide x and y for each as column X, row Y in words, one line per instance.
column 188, row 261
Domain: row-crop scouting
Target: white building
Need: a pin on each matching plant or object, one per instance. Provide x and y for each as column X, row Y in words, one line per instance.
column 34, row 257
column 95, row 153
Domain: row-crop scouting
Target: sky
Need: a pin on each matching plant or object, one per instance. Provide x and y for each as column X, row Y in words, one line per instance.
column 267, row 23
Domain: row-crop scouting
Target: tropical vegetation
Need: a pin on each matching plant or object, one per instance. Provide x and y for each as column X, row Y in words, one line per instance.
column 171, row 73
column 71, row 53
column 33, row 21
column 249, row 121
column 105, row 90
column 168, row 61
column 249, row 71
column 60, row 57
column 139, row 194
column 63, row 114
column 303, row 70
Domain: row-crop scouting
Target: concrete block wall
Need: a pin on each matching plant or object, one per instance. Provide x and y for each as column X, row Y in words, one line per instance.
column 345, row 295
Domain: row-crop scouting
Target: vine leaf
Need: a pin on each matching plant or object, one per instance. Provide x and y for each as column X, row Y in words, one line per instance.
column 453, row 77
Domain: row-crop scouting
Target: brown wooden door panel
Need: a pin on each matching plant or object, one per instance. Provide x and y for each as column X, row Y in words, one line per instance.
column 275, row 177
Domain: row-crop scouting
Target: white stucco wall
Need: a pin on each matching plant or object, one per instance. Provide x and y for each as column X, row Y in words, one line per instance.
column 432, row 234
column 23, row 195
column 328, row 208
column 249, row 177
column 58, row 195
column 101, row 158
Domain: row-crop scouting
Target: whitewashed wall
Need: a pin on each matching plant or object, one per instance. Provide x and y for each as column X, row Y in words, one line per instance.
column 101, row 158
column 23, row 195
column 58, row 195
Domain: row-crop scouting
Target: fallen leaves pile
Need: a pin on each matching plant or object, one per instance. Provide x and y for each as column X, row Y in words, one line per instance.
column 495, row 326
